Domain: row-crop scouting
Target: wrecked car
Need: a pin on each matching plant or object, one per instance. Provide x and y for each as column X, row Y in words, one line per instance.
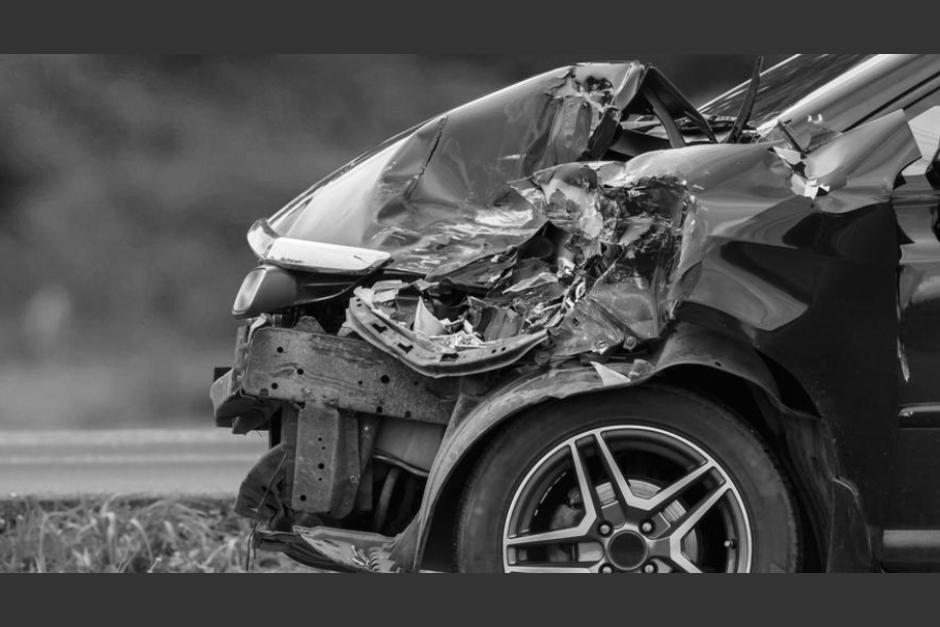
column 582, row 325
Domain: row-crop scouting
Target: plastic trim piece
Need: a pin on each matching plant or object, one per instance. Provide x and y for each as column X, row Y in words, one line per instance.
column 288, row 252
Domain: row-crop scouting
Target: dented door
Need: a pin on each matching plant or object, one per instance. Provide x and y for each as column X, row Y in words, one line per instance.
column 917, row 202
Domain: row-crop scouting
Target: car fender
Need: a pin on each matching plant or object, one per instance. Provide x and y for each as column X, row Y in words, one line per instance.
column 687, row 345
column 834, row 506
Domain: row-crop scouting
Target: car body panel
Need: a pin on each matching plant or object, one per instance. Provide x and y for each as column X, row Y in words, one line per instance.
column 913, row 504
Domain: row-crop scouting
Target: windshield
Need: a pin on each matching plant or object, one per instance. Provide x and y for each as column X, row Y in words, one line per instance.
column 783, row 85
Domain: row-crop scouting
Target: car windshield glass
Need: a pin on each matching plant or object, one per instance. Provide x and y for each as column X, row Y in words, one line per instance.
column 784, row 85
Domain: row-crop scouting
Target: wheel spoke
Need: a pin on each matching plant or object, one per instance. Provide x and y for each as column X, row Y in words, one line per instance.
column 665, row 496
column 553, row 536
column 691, row 517
column 621, row 486
column 681, row 562
column 548, row 568
column 588, row 495
column 568, row 534
column 669, row 545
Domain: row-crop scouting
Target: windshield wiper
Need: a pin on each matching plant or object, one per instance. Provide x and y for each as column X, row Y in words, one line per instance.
column 747, row 105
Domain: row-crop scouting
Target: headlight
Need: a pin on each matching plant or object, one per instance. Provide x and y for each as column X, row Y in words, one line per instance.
column 307, row 255
column 265, row 289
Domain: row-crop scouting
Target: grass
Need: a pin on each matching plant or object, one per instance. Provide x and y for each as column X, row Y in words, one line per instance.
column 129, row 535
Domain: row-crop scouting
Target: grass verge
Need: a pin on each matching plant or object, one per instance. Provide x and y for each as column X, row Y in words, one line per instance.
column 129, row 535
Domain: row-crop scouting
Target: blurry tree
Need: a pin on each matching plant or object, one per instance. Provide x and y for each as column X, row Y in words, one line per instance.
column 127, row 184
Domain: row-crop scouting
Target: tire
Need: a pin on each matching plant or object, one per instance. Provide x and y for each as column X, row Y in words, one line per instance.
column 524, row 508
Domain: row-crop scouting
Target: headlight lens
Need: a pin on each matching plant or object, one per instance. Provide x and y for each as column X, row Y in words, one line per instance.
column 308, row 255
column 265, row 289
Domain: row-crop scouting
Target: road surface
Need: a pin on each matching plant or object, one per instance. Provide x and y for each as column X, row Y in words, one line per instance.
column 165, row 462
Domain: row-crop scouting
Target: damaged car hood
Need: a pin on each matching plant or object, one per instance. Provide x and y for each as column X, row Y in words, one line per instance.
column 437, row 196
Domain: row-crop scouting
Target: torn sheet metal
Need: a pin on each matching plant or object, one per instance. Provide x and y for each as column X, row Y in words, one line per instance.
column 519, row 233
column 609, row 376
column 340, row 550
column 603, row 279
column 862, row 165
column 624, row 234
column 622, row 245
column 431, row 356
column 437, row 195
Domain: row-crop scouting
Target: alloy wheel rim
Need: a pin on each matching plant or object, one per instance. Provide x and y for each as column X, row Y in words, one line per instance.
column 627, row 498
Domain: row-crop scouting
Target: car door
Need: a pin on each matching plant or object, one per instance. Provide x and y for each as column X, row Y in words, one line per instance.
column 913, row 521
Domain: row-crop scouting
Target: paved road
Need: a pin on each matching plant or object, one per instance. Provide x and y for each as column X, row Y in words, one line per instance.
column 193, row 461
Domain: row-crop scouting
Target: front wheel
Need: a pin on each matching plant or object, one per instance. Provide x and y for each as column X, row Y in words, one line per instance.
column 651, row 480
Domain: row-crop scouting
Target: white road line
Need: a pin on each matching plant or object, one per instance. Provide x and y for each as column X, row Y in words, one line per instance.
column 151, row 461
column 126, row 436
column 143, row 460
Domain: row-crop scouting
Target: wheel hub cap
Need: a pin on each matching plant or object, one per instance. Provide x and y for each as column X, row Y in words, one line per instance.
column 627, row 550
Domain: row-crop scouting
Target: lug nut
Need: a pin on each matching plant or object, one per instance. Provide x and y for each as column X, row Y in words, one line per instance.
column 646, row 526
column 649, row 568
column 607, row 569
column 604, row 529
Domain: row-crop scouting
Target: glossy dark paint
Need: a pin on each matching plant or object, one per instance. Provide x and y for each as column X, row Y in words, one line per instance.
column 842, row 347
column 917, row 204
column 915, row 502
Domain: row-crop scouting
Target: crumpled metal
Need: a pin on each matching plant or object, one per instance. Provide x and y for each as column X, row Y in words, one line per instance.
column 625, row 232
column 872, row 156
column 630, row 240
column 436, row 197
column 602, row 254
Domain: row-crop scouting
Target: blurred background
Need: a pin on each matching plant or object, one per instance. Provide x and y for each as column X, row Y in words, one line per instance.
column 127, row 184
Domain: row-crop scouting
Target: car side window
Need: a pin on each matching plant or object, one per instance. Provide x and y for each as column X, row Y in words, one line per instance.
column 924, row 119
column 927, row 113
column 925, row 125
column 923, row 104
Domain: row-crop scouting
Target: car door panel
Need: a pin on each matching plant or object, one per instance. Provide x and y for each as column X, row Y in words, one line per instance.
column 915, row 502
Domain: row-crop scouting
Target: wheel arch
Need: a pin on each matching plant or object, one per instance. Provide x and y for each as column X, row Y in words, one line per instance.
column 726, row 373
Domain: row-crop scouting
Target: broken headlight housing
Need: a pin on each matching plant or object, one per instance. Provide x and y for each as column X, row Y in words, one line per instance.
column 265, row 289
